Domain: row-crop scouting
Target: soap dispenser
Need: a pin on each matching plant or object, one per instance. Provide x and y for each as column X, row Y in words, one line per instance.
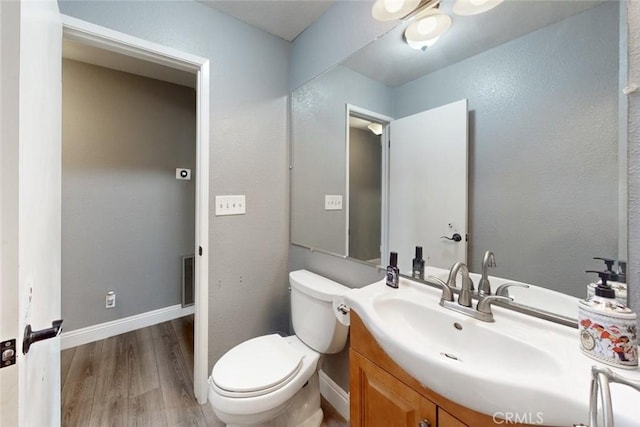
column 607, row 329
column 616, row 280
column 418, row 265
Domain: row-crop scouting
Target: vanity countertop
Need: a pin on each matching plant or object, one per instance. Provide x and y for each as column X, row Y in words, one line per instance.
column 518, row 364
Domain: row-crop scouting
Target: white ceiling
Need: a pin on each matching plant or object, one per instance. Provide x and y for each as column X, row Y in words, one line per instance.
column 391, row 61
column 283, row 18
column 117, row 61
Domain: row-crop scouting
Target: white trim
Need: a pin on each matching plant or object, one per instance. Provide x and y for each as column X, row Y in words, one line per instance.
column 105, row 38
column 334, row 394
column 116, row 327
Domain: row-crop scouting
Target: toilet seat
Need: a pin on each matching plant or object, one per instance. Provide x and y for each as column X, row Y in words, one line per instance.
column 257, row 367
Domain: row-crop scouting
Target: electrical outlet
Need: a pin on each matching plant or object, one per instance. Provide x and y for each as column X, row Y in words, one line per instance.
column 231, row 205
column 110, row 300
column 332, row 202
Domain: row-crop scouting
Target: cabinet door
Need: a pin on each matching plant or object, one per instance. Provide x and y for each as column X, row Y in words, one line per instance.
column 380, row 400
column 445, row 419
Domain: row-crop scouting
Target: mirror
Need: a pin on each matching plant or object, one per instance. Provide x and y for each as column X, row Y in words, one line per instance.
column 543, row 83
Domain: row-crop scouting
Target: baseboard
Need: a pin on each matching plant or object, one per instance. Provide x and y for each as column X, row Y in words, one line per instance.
column 116, row 327
column 334, row 394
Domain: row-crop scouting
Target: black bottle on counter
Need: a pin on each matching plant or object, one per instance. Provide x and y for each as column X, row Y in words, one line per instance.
column 418, row 265
column 393, row 273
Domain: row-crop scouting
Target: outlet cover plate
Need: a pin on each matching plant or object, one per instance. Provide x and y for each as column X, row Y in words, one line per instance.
column 231, row 205
column 332, row 202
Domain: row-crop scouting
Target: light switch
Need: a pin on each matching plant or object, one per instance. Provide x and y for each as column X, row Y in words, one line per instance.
column 231, row 205
column 332, row 202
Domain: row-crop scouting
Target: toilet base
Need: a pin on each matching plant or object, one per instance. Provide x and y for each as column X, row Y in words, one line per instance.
column 303, row 410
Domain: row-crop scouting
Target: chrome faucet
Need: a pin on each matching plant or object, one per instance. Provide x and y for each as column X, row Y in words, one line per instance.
column 503, row 290
column 464, row 299
column 464, row 304
column 484, row 305
column 489, row 260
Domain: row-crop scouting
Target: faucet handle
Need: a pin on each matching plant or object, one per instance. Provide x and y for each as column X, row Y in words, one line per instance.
column 503, row 290
column 447, row 292
column 484, row 304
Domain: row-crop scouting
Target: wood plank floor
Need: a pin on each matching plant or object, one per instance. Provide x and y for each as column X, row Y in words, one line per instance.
column 141, row 378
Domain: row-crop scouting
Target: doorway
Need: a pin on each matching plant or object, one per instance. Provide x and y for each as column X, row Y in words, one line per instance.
column 142, row 56
column 367, row 151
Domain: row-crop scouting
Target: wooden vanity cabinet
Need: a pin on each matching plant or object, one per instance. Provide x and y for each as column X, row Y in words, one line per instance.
column 382, row 394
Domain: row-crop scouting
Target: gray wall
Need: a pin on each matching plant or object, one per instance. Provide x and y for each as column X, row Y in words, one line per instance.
column 365, row 194
column 126, row 220
column 543, row 147
column 633, row 20
column 319, row 128
column 343, row 29
column 249, row 88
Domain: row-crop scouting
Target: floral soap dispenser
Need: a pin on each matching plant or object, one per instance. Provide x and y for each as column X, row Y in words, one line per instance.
column 608, row 328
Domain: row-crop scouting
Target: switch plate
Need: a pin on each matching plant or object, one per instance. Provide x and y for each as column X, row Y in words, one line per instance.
column 231, row 205
column 183, row 173
column 332, row 202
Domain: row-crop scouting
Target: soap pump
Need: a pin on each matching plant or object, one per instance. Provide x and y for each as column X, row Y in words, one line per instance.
column 616, row 280
column 607, row 329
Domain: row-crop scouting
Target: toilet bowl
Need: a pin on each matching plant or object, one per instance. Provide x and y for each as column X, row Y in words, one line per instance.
column 272, row 380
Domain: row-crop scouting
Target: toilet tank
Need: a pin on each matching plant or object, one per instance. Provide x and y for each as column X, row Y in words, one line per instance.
column 312, row 313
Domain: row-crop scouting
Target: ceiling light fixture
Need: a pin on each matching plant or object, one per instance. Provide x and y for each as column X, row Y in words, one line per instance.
column 421, row 45
column 376, row 128
column 427, row 27
column 388, row 10
column 430, row 23
column 474, row 7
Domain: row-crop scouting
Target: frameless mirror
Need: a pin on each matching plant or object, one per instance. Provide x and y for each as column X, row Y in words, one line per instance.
column 546, row 150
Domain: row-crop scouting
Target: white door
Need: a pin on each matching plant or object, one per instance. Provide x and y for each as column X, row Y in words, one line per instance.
column 428, row 186
column 30, row 135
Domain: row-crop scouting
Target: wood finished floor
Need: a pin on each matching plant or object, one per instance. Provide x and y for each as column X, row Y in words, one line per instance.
column 141, row 378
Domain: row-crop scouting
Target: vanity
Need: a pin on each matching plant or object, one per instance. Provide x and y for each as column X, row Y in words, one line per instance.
column 414, row 362
column 382, row 393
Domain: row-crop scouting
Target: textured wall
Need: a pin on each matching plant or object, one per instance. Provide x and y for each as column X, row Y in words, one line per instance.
column 633, row 20
column 343, row 29
column 365, row 194
column 543, row 147
column 318, row 129
column 249, row 87
column 126, row 219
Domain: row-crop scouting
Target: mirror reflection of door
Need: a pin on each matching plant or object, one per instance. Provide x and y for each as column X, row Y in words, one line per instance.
column 365, row 189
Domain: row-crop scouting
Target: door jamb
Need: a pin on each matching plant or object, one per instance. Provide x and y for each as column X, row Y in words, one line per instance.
column 104, row 38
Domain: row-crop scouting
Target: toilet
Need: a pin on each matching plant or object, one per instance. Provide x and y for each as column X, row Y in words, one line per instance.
column 272, row 380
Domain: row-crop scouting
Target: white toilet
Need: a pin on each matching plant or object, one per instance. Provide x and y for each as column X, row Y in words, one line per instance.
column 272, row 380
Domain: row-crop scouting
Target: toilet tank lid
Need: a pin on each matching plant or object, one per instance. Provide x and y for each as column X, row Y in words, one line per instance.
column 315, row 285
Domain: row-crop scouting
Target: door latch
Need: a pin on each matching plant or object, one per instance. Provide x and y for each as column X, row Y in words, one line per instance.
column 8, row 349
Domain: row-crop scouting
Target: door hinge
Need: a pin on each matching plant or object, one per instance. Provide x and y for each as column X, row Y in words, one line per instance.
column 8, row 349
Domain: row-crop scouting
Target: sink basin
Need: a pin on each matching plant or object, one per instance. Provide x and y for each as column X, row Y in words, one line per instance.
column 518, row 364
column 459, row 339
